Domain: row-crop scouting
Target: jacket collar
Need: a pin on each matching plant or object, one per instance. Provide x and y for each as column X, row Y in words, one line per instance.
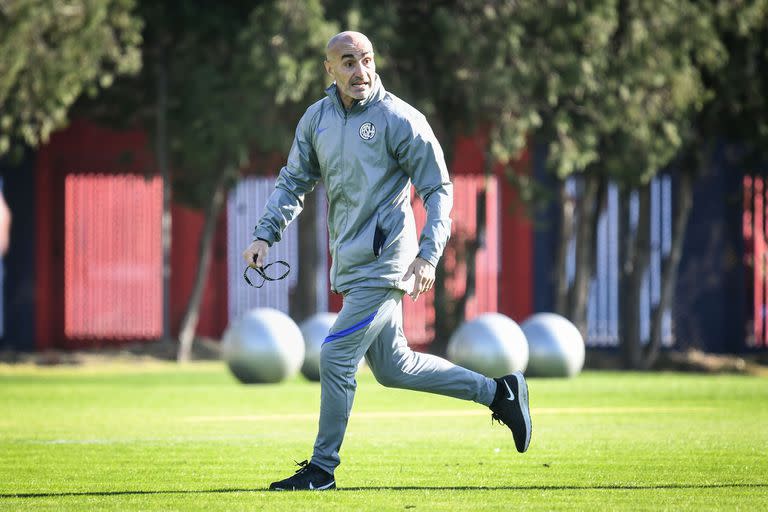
column 376, row 95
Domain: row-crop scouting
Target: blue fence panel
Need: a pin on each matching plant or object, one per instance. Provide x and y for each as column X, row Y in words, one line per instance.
column 604, row 293
column 245, row 205
column 603, row 306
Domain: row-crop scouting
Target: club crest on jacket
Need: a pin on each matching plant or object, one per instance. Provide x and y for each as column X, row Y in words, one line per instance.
column 367, row 131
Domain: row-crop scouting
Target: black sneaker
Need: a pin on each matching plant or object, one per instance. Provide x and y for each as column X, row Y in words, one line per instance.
column 510, row 406
column 307, row 478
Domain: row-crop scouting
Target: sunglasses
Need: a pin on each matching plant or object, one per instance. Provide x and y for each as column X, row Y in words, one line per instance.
column 264, row 274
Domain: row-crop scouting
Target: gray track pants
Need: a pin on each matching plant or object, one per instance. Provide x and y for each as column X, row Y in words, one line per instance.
column 370, row 324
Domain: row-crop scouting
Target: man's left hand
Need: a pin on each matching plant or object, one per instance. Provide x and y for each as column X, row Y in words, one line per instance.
column 424, row 274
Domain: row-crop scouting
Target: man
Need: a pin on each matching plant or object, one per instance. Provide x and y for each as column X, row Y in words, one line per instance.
column 5, row 224
column 368, row 146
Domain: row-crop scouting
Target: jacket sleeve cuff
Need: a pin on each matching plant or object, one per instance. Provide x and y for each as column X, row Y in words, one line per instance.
column 432, row 259
column 262, row 234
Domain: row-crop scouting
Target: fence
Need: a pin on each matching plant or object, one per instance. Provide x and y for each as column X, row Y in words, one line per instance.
column 604, row 295
column 112, row 261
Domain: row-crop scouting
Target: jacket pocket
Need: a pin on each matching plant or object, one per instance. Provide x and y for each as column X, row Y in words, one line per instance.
column 357, row 250
column 379, row 237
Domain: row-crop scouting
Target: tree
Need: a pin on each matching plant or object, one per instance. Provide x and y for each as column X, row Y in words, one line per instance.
column 51, row 53
column 660, row 51
column 247, row 84
column 735, row 111
column 236, row 79
column 608, row 88
column 726, row 55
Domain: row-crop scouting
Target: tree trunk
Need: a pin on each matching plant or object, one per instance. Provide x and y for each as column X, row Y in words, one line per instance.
column 626, row 257
column 161, row 150
column 473, row 246
column 303, row 297
column 188, row 326
column 588, row 212
column 635, row 255
column 450, row 314
column 444, row 324
column 566, row 209
column 670, row 264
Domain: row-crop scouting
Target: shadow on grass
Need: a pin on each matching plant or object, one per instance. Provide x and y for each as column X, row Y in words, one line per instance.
column 606, row 487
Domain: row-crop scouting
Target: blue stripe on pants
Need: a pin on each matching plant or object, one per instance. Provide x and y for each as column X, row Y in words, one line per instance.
column 349, row 330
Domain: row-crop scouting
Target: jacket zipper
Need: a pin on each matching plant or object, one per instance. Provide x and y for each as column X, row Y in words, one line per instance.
column 346, row 204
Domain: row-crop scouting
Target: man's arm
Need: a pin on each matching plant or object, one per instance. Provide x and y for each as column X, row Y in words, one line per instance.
column 5, row 225
column 421, row 157
column 299, row 177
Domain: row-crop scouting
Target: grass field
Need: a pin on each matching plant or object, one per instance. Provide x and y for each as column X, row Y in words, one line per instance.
column 160, row 437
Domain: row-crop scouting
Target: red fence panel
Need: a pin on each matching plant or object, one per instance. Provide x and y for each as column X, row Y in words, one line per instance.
column 419, row 317
column 112, row 257
column 754, row 223
column 187, row 230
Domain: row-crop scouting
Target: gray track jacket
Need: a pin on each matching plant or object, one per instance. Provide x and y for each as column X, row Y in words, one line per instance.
column 367, row 159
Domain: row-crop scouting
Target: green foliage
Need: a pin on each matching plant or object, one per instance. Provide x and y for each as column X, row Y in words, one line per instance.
column 737, row 109
column 51, row 52
column 609, row 85
column 243, row 89
column 238, row 80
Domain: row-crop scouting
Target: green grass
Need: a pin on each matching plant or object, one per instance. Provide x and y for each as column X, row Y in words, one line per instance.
column 161, row 437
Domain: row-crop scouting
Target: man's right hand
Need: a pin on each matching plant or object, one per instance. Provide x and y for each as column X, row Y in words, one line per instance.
column 256, row 253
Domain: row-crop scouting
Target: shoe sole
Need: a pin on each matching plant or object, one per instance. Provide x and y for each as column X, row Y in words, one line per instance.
column 522, row 394
column 328, row 487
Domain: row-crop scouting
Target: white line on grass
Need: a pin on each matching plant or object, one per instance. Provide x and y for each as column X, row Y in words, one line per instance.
column 150, row 440
column 449, row 413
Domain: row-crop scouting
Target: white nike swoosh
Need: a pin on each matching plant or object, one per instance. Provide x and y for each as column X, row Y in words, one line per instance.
column 511, row 394
column 322, row 487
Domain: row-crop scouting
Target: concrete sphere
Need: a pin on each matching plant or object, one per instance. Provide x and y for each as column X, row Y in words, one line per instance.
column 315, row 329
column 491, row 344
column 263, row 346
column 556, row 346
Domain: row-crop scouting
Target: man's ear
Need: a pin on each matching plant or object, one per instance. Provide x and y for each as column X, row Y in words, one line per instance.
column 327, row 67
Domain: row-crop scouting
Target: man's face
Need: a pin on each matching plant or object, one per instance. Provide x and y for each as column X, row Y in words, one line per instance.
column 350, row 63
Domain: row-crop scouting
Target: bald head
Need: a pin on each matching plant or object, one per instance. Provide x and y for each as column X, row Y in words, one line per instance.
column 345, row 41
column 349, row 61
